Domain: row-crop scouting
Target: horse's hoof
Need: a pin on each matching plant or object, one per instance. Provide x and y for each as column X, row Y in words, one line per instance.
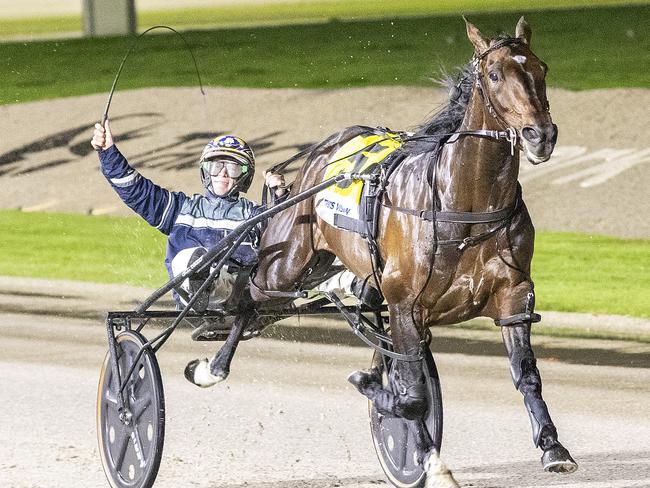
column 198, row 373
column 365, row 381
column 438, row 475
column 558, row 460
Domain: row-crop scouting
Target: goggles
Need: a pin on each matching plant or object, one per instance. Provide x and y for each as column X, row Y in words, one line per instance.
column 233, row 170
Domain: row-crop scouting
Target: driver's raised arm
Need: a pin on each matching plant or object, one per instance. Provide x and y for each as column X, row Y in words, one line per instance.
column 157, row 205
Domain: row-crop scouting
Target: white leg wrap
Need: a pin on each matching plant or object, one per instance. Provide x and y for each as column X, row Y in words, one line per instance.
column 438, row 475
column 202, row 375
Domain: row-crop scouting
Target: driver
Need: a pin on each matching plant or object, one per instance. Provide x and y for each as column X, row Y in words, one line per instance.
column 194, row 224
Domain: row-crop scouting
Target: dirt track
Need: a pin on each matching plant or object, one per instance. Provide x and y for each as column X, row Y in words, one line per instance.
column 596, row 182
column 286, row 417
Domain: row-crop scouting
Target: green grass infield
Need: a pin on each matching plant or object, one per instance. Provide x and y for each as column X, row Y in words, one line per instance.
column 572, row 272
column 585, row 48
column 292, row 12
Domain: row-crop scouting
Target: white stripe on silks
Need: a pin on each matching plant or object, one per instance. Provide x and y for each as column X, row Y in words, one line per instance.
column 126, row 180
column 164, row 215
column 207, row 223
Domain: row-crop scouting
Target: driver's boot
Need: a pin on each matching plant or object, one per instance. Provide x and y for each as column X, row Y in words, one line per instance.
column 197, row 280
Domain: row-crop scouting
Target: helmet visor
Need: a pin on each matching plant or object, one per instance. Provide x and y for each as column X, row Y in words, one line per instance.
column 233, row 170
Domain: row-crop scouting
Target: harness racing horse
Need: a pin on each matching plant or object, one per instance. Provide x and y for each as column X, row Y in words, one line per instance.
column 454, row 239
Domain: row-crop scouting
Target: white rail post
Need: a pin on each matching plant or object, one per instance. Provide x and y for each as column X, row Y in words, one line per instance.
column 108, row 17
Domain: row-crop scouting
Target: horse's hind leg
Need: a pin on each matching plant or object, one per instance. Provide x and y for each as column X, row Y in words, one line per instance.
column 204, row 372
column 409, row 401
column 527, row 380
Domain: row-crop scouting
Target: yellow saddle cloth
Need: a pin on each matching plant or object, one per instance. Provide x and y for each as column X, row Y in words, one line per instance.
column 361, row 154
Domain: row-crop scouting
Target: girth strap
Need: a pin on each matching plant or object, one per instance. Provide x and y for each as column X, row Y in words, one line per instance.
column 502, row 216
column 460, row 217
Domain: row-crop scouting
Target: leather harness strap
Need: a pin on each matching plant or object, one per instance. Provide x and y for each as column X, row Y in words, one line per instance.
column 518, row 319
column 459, row 217
column 502, row 216
column 528, row 317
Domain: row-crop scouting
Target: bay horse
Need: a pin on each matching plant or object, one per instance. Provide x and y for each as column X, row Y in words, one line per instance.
column 454, row 239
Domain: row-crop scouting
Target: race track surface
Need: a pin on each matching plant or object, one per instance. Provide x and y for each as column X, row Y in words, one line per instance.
column 286, row 417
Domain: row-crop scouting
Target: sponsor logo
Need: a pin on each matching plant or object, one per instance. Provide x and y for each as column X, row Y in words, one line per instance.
column 335, row 206
column 138, row 450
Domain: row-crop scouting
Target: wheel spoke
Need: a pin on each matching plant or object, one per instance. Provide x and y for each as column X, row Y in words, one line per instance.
column 112, row 419
column 401, row 436
column 110, row 397
column 125, row 367
column 139, row 383
column 119, row 459
column 143, row 461
column 140, row 406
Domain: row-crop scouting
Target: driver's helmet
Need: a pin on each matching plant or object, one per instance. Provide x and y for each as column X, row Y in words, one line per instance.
column 229, row 149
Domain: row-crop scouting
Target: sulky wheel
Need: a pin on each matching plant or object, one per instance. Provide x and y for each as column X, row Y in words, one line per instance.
column 394, row 443
column 131, row 442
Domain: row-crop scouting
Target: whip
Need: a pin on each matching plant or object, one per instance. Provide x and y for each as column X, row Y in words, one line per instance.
column 126, row 56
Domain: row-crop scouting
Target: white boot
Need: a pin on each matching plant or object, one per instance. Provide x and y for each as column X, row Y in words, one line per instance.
column 198, row 373
column 438, row 475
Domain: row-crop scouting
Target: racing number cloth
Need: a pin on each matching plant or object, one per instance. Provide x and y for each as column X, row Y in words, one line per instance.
column 360, row 154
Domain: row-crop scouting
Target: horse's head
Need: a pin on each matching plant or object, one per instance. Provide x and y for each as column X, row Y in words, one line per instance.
column 512, row 81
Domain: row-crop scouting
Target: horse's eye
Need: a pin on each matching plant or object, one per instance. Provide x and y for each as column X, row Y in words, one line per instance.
column 493, row 76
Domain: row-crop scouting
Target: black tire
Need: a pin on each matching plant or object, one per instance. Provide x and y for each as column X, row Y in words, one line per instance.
column 393, row 442
column 131, row 453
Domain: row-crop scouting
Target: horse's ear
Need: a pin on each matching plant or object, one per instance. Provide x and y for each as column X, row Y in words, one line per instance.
column 523, row 31
column 481, row 43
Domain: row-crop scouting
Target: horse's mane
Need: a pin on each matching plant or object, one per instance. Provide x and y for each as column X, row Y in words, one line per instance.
column 448, row 117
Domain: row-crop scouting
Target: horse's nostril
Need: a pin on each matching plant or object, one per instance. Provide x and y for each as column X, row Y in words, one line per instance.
column 554, row 134
column 532, row 135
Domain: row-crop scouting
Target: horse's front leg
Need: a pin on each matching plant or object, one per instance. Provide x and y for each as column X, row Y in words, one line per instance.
column 408, row 398
column 526, row 377
column 204, row 372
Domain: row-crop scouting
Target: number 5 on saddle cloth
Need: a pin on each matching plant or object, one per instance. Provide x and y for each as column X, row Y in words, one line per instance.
column 350, row 205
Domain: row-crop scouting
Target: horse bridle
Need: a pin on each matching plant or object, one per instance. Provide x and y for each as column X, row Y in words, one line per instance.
column 501, row 217
column 478, row 76
column 478, row 81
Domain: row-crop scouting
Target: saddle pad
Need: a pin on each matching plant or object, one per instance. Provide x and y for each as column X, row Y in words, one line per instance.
column 361, row 154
